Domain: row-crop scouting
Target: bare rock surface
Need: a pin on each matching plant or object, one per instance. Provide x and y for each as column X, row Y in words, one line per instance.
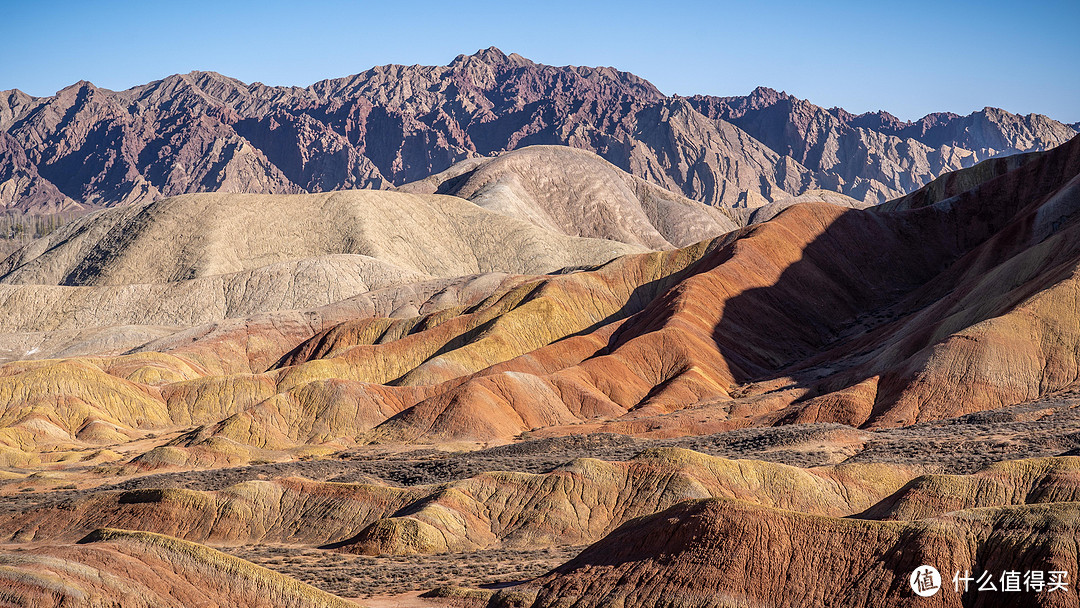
column 792, row 403
column 394, row 124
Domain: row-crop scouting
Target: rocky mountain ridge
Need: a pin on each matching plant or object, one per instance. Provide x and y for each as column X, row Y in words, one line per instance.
column 198, row 132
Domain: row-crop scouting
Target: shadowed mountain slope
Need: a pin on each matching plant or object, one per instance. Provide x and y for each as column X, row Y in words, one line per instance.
column 837, row 364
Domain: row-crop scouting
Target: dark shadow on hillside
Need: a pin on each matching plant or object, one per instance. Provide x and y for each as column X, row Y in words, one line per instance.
column 840, row 289
column 875, row 278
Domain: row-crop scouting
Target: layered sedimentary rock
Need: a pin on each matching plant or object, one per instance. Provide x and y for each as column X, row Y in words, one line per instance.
column 955, row 299
column 718, row 553
column 139, row 569
column 821, row 314
column 574, row 504
column 672, row 528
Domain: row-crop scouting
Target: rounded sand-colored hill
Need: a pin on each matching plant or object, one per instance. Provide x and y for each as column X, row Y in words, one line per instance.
column 247, row 343
column 575, row 192
column 287, row 285
column 117, row 279
column 202, row 235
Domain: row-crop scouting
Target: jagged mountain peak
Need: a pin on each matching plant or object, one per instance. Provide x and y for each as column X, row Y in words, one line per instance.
column 879, row 120
column 392, row 124
column 77, row 87
column 15, row 94
column 763, row 94
column 491, row 56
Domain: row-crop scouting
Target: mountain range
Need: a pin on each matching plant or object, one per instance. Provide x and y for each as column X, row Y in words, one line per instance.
column 88, row 147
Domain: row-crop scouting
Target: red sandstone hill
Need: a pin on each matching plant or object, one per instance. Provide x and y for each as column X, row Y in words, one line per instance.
column 717, row 553
column 818, row 315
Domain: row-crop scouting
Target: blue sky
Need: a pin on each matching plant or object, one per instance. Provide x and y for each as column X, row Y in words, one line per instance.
column 907, row 58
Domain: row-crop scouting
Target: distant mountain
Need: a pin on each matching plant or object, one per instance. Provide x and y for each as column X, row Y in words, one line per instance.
column 389, row 125
column 876, row 156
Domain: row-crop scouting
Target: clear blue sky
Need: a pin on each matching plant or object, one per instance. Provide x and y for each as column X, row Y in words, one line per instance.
column 908, row 58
